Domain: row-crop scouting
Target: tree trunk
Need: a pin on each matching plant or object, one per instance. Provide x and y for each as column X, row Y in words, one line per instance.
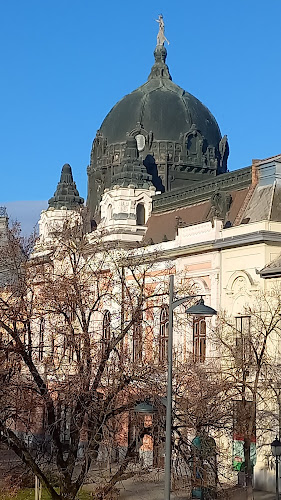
column 248, row 470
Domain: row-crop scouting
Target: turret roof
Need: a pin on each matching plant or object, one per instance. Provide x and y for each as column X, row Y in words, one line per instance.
column 66, row 194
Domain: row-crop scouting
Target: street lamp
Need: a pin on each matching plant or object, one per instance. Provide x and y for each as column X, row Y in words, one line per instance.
column 276, row 452
column 198, row 309
column 144, row 407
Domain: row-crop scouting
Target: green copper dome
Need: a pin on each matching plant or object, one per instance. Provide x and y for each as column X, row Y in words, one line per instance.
column 162, row 107
column 178, row 139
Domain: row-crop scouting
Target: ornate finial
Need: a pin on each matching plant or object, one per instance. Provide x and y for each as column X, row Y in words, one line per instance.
column 160, row 68
column 161, row 36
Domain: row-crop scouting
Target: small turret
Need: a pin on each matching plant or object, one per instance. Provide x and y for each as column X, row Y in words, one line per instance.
column 126, row 207
column 131, row 172
column 64, row 207
column 66, row 194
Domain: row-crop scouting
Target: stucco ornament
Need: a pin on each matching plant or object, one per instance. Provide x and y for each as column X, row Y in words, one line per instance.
column 240, row 288
column 239, row 285
column 224, row 153
column 199, row 286
column 221, row 203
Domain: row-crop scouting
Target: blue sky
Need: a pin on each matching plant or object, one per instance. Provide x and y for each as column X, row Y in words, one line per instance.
column 65, row 63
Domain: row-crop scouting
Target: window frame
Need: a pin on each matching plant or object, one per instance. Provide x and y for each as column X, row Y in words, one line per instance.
column 137, row 347
column 164, row 334
column 199, row 339
column 106, row 330
column 41, row 339
column 243, row 328
column 140, row 214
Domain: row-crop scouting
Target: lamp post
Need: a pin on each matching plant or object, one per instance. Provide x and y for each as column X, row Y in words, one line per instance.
column 145, row 409
column 276, row 452
column 198, row 309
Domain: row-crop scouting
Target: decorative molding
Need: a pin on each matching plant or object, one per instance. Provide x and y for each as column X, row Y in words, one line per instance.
column 248, row 239
column 203, row 190
column 200, row 286
column 240, row 281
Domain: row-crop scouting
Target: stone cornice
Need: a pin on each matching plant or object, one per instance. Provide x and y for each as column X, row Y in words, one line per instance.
column 262, row 236
column 270, row 273
column 203, row 190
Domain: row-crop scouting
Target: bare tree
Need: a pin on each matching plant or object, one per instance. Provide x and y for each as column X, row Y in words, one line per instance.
column 202, row 414
column 249, row 347
column 79, row 351
column 75, row 333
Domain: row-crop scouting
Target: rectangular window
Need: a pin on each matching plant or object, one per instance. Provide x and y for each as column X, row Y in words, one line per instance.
column 242, row 324
column 106, row 331
column 164, row 334
column 243, row 339
column 137, row 339
column 41, row 339
column 199, row 340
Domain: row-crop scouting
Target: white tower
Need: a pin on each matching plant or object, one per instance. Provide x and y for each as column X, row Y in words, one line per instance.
column 64, row 206
column 127, row 205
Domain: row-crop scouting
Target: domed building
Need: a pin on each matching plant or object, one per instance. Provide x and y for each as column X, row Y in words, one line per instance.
column 178, row 139
column 158, row 179
column 158, row 163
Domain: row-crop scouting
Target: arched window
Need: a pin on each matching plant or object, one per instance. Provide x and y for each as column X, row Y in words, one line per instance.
column 109, row 212
column 140, row 214
column 41, row 339
column 106, row 331
column 164, row 334
column 199, row 340
column 137, row 338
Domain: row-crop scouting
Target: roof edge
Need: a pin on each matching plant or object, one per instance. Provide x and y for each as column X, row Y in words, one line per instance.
column 202, row 190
